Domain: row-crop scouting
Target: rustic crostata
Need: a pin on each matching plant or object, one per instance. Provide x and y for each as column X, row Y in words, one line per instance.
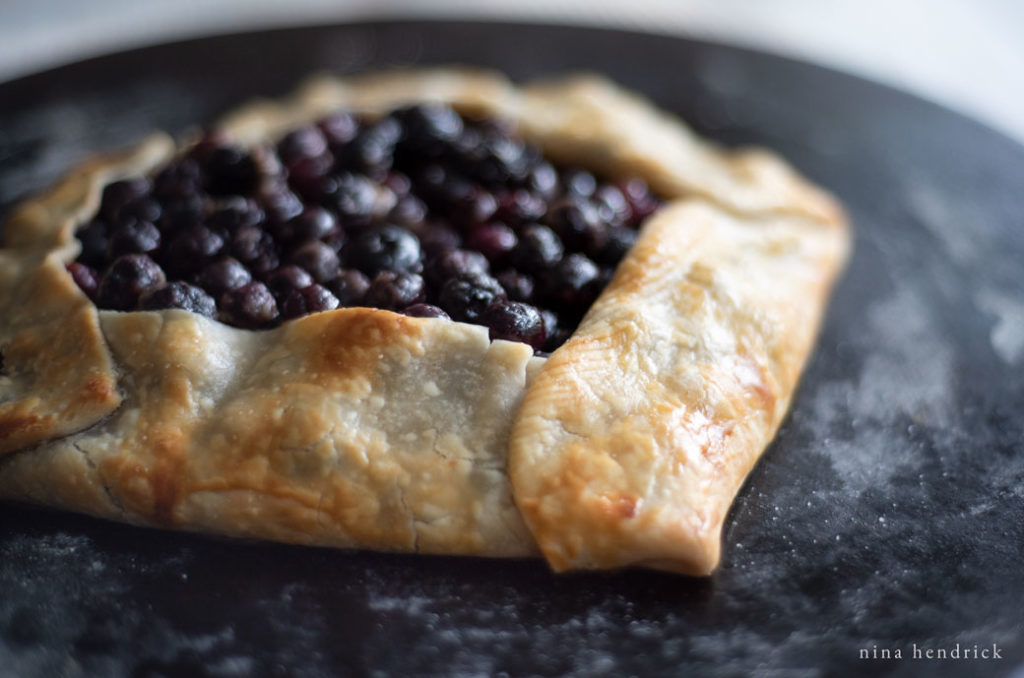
column 423, row 311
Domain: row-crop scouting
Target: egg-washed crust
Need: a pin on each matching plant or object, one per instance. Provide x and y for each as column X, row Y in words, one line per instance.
column 364, row 428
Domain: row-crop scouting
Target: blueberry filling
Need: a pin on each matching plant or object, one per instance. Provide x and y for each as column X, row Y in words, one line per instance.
column 421, row 211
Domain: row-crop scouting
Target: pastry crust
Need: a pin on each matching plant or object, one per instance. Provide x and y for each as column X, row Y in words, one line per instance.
column 365, row 428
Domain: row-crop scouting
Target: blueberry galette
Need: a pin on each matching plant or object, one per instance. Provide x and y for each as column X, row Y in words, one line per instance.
column 419, row 311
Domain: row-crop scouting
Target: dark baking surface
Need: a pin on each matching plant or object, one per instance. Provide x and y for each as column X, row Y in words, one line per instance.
column 888, row 513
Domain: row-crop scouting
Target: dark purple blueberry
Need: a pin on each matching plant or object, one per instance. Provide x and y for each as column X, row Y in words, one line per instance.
column 504, row 160
column 311, row 299
column 85, row 277
column 436, row 237
column 191, row 249
column 385, row 248
column 454, row 264
column 140, row 209
column 255, row 248
column 339, row 128
column 234, row 213
column 543, row 179
column 518, row 286
column 251, row 306
column 408, row 211
column 93, row 237
column 371, row 151
column 126, row 280
column 642, row 202
column 356, row 199
column 394, row 290
column 120, row 193
column 309, row 176
column 307, row 142
column 229, row 170
column 399, row 184
column 578, row 225
column 268, row 164
column 611, row 204
column 467, row 297
column 180, row 179
column 428, row 128
column 349, row 286
column 314, row 223
column 223, row 275
column 495, row 241
column 182, row 212
column 178, row 294
column 538, row 249
column 519, row 206
column 515, row 321
column 617, row 243
column 572, row 284
column 287, row 279
column 579, row 183
column 133, row 237
column 425, row 311
column 278, row 201
column 468, row 205
column 318, row 258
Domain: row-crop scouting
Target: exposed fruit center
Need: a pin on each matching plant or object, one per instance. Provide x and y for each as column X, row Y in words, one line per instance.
column 421, row 211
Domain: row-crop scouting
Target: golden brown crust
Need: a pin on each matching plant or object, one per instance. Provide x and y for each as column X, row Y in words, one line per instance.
column 365, row 428
column 637, row 434
column 57, row 376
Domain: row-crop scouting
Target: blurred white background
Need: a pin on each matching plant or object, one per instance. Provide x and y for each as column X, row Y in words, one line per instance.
column 968, row 55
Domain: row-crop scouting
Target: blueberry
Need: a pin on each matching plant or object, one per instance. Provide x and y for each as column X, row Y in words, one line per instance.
column 287, row 279
column 309, row 176
column 495, row 241
column 579, row 183
column 223, row 275
column 178, row 294
column 126, row 280
column 428, row 128
column 311, row 299
column 229, row 170
column 618, row 242
column 191, row 249
column 425, row 311
column 179, row 179
column 314, row 223
column 234, row 213
column 251, row 306
column 255, row 248
column 356, row 199
column 515, row 321
column 641, row 201
column 611, row 205
column 318, row 258
column 456, row 263
column 408, row 211
column 338, row 128
column 372, row 149
column 519, row 206
column 306, row 142
column 278, row 201
column 467, row 297
column 93, row 237
column 383, row 248
column 436, row 238
column 572, row 284
column 349, row 286
column 578, row 224
column 543, row 179
column 120, row 193
column 504, row 160
column 518, row 287
column 140, row 209
column 134, row 237
column 85, row 277
column 538, row 248
column 394, row 290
